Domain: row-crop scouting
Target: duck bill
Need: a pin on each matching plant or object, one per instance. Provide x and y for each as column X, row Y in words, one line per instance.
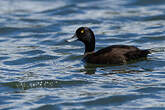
column 74, row 38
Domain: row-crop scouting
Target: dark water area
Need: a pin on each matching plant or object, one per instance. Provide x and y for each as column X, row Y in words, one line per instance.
column 40, row 71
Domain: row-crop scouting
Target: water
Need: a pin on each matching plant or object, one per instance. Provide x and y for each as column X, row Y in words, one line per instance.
column 40, row 71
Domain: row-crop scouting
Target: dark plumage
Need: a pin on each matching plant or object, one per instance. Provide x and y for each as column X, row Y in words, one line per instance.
column 115, row 54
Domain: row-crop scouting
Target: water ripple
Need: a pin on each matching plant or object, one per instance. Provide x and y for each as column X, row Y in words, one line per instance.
column 29, row 60
column 39, row 70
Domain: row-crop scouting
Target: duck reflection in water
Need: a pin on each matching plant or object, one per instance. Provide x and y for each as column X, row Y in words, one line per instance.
column 114, row 69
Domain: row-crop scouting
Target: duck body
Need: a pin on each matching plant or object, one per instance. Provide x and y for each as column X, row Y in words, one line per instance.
column 115, row 54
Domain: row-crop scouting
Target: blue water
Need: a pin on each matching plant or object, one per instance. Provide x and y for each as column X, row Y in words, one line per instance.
column 40, row 71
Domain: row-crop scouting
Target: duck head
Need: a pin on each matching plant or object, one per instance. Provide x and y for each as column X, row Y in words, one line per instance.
column 85, row 35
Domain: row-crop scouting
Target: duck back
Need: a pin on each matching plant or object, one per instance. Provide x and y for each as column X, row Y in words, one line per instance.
column 116, row 54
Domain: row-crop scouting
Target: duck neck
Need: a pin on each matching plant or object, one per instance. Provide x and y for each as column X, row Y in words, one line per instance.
column 89, row 43
column 89, row 48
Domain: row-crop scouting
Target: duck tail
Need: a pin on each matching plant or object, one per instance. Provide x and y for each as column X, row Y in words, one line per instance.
column 146, row 52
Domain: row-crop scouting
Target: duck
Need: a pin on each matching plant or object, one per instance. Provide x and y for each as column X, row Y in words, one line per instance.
column 114, row 54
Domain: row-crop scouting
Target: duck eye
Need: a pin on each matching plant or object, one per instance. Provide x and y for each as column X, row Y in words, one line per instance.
column 82, row 31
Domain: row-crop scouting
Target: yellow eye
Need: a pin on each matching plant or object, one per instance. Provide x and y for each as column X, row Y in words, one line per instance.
column 82, row 31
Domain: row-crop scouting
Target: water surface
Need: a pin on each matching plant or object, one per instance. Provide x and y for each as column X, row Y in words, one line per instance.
column 39, row 70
